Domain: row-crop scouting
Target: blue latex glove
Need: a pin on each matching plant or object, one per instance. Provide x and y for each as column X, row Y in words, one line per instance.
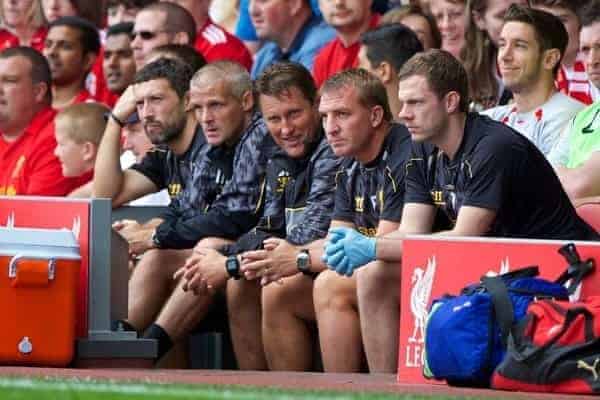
column 347, row 250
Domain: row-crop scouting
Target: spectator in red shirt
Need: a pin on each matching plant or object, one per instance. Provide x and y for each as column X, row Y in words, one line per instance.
column 118, row 63
column 159, row 24
column 212, row 40
column 350, row 19
column 71, row 48
column 22, row 24
column 28, row 165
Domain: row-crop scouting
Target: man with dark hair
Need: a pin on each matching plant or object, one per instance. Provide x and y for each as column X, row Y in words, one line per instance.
column 28, row 165
column 71, row 47
column 290, row 31
column 300, row 183
column 369, row 197
column 159, row 91
column 464, row 166
column 119, row 11
column 181, row 52
column 158, row 24
column 576, row 156
column 531, row 45
column 384, row 51
column 212, row 40
column 117, row 62
column 222, row 101
column 571, row 79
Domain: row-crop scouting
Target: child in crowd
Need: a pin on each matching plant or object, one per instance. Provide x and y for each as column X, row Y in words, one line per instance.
column 79, row 129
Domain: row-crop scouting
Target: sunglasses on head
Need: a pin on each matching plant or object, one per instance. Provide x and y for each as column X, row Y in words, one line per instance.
column 146, row 35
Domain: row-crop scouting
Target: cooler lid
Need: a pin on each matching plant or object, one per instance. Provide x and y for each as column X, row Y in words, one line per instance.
column 42, row 243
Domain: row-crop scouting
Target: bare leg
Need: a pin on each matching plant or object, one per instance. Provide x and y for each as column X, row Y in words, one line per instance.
column 378, row 285
column 338, row 322
column 288, row 311
column 182, row 312
column 151, row 283
column 243, row 307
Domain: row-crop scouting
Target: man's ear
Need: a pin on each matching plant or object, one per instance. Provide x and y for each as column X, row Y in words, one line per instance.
column 452, row 100
column 376, row 117
column 182, row 38
column 40, row 90
column 550, row 58
column 247, row 101
column 187, row 102
column 385, row 72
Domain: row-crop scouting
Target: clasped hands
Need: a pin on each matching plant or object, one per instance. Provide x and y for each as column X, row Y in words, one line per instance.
column 347, row 249
column 204, row 271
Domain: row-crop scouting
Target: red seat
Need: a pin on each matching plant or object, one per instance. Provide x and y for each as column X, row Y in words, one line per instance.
column 589, row 210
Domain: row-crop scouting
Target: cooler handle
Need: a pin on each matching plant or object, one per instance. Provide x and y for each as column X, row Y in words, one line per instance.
column 12, row 265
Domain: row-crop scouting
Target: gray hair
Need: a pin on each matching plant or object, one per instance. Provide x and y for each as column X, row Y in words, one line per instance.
column 233, row 74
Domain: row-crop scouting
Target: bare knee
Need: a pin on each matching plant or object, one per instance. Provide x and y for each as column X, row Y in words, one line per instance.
column 155, row 263
column 378, row 280
column 240, row 293
column 292, row 296
column 274, row 298
column 333, row 292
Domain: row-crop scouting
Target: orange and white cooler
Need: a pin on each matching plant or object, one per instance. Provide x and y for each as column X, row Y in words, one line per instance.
column 39, row 275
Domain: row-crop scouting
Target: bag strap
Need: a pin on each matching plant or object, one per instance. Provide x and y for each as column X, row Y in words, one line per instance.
column 503, row 307
column 576, row 269
column 526, row 353
column 526, row 272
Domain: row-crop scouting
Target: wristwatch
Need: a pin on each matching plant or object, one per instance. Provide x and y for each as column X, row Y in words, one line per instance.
column 303, row 262
column 232, row 265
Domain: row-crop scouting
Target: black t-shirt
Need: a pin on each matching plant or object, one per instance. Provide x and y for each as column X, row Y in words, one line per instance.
column 368, row 193
column 496, row 168
column 167, row 170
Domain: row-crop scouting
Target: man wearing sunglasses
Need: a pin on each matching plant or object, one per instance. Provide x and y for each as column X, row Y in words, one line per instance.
column 159, row 24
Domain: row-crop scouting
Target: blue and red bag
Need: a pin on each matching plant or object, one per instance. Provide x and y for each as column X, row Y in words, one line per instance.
column 556, row 348
column 466, row 335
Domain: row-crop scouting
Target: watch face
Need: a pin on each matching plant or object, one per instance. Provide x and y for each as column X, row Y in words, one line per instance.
column 232, row 266
column 303, row 260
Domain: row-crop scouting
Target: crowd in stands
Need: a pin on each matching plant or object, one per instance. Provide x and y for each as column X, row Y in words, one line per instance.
column 294, row 148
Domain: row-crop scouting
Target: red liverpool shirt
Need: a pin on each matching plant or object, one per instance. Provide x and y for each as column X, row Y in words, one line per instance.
column 574, row 82
column 215, row 43
column 7, row 39
column 336, row 57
